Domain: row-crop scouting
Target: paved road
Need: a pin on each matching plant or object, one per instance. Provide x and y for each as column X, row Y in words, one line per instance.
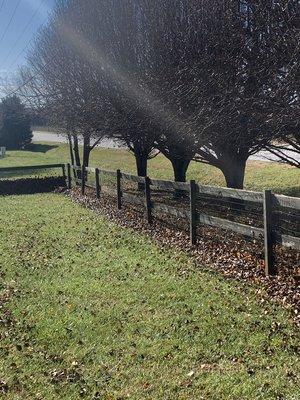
column 39, row 136
column 267, row 156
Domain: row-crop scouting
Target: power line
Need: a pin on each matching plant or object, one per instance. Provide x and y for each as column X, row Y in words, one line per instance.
column 24, row 48
column 23, row 85
column 19, row 54
column 2, row 5
column 24, row 30
column 10, row 21
column 26, row 82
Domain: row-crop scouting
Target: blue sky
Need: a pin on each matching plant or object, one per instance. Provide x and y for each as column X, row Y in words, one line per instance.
column 15, row 39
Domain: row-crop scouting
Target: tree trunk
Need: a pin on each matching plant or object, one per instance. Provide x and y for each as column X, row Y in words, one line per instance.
column 76, row 154
column 86, row 150
column 76, row 150
column 234, row 173
column 86, row 153
column 71, row 149
column 141, row 167
column 180, row 167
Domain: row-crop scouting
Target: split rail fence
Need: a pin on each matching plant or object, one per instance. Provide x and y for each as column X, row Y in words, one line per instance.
column 32, row 178
column 31, row 168
column 257, row 215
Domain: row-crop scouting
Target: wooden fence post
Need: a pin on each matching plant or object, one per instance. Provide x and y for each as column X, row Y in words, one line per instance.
column 193, row 222
column 82, row 180
column 270, row 267
column 97, row 180
column 148, row 199
column 75, row 173
column 119, row 190
column 69, row 176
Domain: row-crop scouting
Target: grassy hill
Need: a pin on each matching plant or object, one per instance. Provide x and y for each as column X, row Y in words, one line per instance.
column 259, row 175
column 90, row 310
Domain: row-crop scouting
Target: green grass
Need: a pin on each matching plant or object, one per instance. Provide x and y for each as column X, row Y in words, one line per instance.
column 259, row 175
column 103, row 313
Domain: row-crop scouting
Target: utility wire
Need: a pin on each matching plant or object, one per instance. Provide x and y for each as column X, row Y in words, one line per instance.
column 24, row 48
column 10, row 21
column 23, row 31
column 19, row 54
column 21, row 86
column 26, row 82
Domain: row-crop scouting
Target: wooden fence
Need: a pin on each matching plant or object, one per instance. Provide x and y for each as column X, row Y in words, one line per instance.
column 32, row 178
column 29, row 168
column 274, row 208
column 2, row 152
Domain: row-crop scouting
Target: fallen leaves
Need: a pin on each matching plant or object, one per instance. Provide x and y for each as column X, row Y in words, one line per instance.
column 230, row 254
column 71, row 375
column 3, row 387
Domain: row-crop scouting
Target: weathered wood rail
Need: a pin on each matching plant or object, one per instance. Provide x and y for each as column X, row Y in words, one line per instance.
column 188, row 211
column 34, row 168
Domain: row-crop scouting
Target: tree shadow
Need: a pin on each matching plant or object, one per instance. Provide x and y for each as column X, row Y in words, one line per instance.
column 41, row 148
column 31, row 185
column 293, row 191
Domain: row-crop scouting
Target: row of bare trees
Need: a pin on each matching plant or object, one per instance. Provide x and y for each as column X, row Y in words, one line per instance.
column 208, row 80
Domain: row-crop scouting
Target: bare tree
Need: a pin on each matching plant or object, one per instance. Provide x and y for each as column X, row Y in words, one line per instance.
column 287, row 150
column 245, row 73
column 66, row 85
column 196, row 79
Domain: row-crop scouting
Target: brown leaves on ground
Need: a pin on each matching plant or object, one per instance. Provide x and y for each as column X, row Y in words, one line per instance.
column 71, row 375
column 6, row 322
column 3, row 387
column 230, row 254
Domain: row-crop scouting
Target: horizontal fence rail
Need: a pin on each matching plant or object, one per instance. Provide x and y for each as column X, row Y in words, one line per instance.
column 169, row 185
column 246, row 230
column 264, row 208
column 31, row 167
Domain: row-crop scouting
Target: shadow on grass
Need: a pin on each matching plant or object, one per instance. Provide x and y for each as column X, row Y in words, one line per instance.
column 293, row 191
column 31, row 185
column 41, row 148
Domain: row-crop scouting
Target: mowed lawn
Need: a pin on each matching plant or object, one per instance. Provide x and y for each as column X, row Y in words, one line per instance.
column 259, row 175
column 101, row 312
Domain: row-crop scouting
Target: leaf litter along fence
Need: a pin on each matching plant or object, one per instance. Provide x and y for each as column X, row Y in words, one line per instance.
column 32, row 179
column 257, row 215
